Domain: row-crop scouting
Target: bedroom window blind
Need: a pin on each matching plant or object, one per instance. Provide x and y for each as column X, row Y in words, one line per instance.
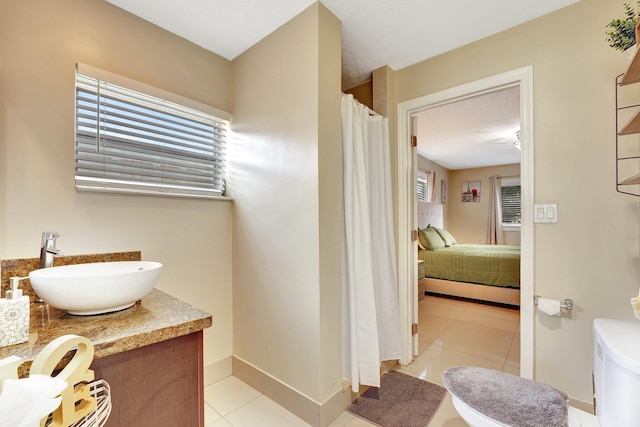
column 511, row 204
column 422, row 189
column 424, row 186
column 132, row 142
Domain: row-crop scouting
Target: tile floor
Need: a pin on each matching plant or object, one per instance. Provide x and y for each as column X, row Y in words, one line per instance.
column 451, row 333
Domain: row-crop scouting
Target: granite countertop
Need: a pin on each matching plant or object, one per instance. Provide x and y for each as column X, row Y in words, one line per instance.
column 157, row 317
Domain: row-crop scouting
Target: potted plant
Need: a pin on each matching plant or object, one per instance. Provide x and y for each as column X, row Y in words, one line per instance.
column 622, row 34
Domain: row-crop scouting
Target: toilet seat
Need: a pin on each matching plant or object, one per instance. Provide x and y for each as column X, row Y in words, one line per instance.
column 576, row 417
column 488, row 398
column 473, row 417
column 616, row 380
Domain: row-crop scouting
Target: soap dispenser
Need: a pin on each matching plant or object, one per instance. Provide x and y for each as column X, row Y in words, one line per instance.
column 14, row 315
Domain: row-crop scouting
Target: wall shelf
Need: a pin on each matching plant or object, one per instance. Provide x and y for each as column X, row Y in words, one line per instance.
column 628, row 164
column 632, row 127
column 631, row 181
column 632, row 75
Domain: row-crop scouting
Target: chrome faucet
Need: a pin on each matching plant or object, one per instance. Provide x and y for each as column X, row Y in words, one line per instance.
column 48, row 248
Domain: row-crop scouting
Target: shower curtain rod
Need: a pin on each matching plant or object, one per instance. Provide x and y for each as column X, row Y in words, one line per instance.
column 369, row 110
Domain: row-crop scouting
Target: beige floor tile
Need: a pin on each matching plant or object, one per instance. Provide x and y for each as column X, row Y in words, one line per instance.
column 430, row 326
column 221, row 423
column 511, row 370
column 229, row 394
column 343, row 420
column 422, row 345
column 263, row 412
column 485, row 343
column 503, row 323
column 436, row 359
column 359, row 422
column 210, row 415
column 489, row 310
column 429, row 299
column 347, row 419
column 442, row 307
column 513, row 357
column 447, row 416
column 429, row 320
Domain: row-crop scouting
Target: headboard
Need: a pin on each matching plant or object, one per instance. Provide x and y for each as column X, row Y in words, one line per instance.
column 430, row 213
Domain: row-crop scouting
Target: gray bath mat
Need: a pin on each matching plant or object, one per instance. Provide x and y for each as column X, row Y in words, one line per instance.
column 507, row 398
column 401, row 401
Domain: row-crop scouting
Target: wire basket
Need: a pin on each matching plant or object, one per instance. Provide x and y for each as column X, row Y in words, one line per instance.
column 102, row 392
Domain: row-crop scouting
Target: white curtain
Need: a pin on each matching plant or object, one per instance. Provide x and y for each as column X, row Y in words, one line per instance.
column 432, row 191
column 371, row 319
column 494, row 229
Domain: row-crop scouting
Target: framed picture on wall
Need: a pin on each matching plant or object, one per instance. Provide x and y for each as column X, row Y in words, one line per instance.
column 470, row 191
column 443, row 191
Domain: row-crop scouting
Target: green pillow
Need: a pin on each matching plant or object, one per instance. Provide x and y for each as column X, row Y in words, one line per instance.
column 430, row 239
column 449, row 240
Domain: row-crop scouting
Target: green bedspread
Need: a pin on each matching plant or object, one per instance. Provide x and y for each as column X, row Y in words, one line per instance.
column 496, row 265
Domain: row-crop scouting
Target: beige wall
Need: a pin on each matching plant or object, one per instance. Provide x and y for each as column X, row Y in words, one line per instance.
column 384, row 95
column 40, row 43
column 285, row 178
column 3, row 162
column 363, row 93
column 574, row 131
column 330, row 201
column 468, row 220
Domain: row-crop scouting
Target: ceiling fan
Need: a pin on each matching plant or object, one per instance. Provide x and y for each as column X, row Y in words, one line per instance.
column 508, row 142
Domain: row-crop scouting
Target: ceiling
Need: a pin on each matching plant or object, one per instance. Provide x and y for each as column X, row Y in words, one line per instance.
column 397, row 33
column 473, row 132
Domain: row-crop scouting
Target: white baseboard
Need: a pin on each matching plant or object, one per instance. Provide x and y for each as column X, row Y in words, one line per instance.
column 583, row 406
column 312, row 412
column 216, row 371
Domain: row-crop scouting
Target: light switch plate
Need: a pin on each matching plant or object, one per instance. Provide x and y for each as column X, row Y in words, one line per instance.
column 545, row 213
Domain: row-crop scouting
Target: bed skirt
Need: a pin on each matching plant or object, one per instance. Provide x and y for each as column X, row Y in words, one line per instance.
column 502, row 295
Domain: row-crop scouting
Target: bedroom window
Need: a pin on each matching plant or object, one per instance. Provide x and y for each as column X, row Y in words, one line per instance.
column 424, row 186
column 133, row 138
column 511, row 202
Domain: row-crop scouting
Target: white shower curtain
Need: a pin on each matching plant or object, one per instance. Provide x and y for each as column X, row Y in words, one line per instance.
column 494, row 228
column 371, row 319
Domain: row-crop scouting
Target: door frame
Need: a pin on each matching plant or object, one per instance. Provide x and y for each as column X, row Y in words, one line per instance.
column 407, row 218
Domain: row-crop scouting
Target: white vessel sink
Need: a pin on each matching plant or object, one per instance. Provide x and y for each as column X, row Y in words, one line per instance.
column 95, row 288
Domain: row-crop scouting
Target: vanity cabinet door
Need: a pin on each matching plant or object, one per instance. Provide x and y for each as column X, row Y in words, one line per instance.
column 156, row 385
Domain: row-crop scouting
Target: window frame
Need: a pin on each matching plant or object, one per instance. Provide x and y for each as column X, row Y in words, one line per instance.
column 422, row 187
column 510, row 182
column 154, row 186
column 425, row 179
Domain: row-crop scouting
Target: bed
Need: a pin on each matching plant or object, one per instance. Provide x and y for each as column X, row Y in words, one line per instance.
column 481, row 272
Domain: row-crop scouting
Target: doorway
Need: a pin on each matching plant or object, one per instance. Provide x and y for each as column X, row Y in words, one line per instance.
column 407, row 218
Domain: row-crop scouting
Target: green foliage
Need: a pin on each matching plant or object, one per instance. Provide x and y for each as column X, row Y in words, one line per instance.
column 623, row 31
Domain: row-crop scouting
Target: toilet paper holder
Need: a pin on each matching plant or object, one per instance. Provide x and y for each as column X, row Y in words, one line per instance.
column 568, row 303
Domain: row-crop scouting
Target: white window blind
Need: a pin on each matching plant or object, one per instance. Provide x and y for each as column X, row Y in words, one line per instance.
column 511, row 201
column 422, row 189
column 129, row 141
column 425, row 186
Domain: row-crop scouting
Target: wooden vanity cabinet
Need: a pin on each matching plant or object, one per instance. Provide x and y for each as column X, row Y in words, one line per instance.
column 156, row 385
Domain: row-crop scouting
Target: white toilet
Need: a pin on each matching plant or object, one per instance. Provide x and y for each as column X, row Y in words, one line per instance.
column 486, row 398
